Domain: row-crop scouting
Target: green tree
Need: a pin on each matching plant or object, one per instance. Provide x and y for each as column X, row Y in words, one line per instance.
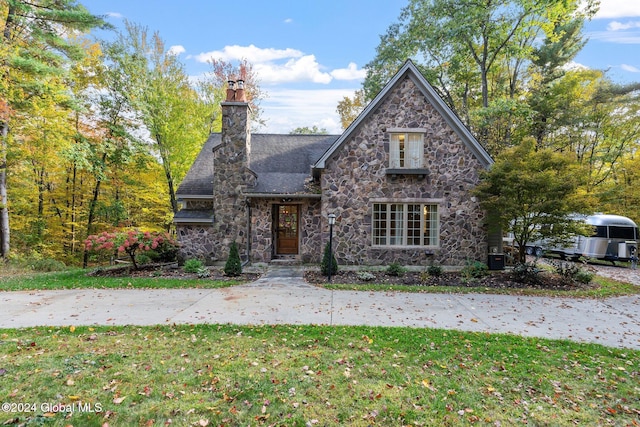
column 473, row 52
column 306, row 130
column 532, row 194
column 329, row 262
column 547, row 99
column 163, row 98
column 114, row 143
column 233, row 266
column 33, row 46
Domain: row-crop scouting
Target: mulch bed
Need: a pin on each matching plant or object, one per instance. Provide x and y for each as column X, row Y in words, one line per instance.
column 495, row 280
column 169, row 271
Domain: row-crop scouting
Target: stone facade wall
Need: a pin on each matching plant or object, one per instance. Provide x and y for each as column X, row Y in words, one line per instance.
column 196, row 242
column 356, row 177
column 311, row 220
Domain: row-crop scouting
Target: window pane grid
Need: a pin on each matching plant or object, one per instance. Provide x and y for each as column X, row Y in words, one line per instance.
column 405, row 224
column 430, row 225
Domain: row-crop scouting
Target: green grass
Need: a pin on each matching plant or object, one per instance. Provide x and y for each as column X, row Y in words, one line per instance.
column 77, row 278
column 311, row 375
column 602, row 288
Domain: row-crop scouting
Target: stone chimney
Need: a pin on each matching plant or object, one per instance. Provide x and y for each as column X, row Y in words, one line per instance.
column 236, row 126
column 230, row 171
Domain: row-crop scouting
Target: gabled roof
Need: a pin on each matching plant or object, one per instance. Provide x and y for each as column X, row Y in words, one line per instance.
column 198, row 183
column 281, row 163
column 409, row 69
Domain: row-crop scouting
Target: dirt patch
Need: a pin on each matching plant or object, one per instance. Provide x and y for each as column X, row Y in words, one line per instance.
column 495, row 280
column 170, row 271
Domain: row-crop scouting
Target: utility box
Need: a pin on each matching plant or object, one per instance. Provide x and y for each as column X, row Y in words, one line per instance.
column 496, row 262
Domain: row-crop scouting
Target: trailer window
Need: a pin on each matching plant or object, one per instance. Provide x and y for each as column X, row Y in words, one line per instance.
column 600, row 231
column 622, row 233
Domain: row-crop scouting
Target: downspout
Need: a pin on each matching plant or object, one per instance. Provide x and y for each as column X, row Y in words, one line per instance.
column 248, row 233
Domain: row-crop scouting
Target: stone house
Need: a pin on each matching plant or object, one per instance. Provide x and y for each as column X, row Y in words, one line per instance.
column 398, row 179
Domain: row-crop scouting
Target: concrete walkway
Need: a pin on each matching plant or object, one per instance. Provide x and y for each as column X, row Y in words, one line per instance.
column 282, row 297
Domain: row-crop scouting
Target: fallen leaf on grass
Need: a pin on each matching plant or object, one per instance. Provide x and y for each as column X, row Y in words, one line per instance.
column 119, row 400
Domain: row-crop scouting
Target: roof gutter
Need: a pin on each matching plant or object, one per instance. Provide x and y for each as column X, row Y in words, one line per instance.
column 282, row 195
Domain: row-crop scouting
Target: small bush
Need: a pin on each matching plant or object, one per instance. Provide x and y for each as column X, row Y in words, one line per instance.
column 329, row 262
column 366, row 276
column 434, row 270
column 474, row 270
column 396, row 270
column 233, row 266
column 527, row 272
column 572, row 273
column 584, row 277
column 203, row 272
column 192, row 265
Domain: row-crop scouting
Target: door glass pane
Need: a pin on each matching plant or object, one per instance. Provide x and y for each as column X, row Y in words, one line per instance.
column 288, row 218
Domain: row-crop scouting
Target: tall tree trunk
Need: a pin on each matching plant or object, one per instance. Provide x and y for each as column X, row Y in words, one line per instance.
column 92, row 213
column 167, row 172
column 4, row 210
column 4, row 132
column 73, row 209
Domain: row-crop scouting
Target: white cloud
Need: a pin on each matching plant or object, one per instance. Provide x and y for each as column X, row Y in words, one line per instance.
column 275, row 66
column 574, row 66
column 303, row 69
column 619, row 26
column 251, row 53
column 610, row 9
column 630, row 68
column 350, row 73
column 629, row 37
column 288, row 21
column 176, row 50
column 114, row 15
column 288, row 109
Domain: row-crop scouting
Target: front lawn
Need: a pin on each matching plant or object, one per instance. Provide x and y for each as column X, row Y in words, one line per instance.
column 78, row 278
column 309, row 375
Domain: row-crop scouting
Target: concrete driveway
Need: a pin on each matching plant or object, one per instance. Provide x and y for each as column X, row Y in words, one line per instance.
column 282, row 297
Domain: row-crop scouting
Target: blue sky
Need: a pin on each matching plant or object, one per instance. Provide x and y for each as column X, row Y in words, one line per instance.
column 309, row 54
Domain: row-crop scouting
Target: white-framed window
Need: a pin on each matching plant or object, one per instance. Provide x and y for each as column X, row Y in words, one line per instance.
column 406, row 224
column 406, row 149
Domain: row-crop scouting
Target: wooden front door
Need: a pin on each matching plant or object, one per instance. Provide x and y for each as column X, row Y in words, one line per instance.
column 286, row 222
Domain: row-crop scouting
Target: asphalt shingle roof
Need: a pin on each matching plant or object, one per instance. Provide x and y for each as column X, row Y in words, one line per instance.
column 281, row 162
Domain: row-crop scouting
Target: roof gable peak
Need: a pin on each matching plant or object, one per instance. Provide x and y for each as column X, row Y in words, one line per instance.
column 409, row 69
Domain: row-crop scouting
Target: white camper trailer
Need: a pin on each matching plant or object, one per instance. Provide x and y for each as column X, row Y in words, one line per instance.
column 614, row 238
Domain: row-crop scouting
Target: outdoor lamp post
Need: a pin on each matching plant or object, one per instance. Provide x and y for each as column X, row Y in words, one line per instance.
column 332, row 220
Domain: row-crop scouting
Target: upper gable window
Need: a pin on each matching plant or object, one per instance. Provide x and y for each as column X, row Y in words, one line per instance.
column 406, row 148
